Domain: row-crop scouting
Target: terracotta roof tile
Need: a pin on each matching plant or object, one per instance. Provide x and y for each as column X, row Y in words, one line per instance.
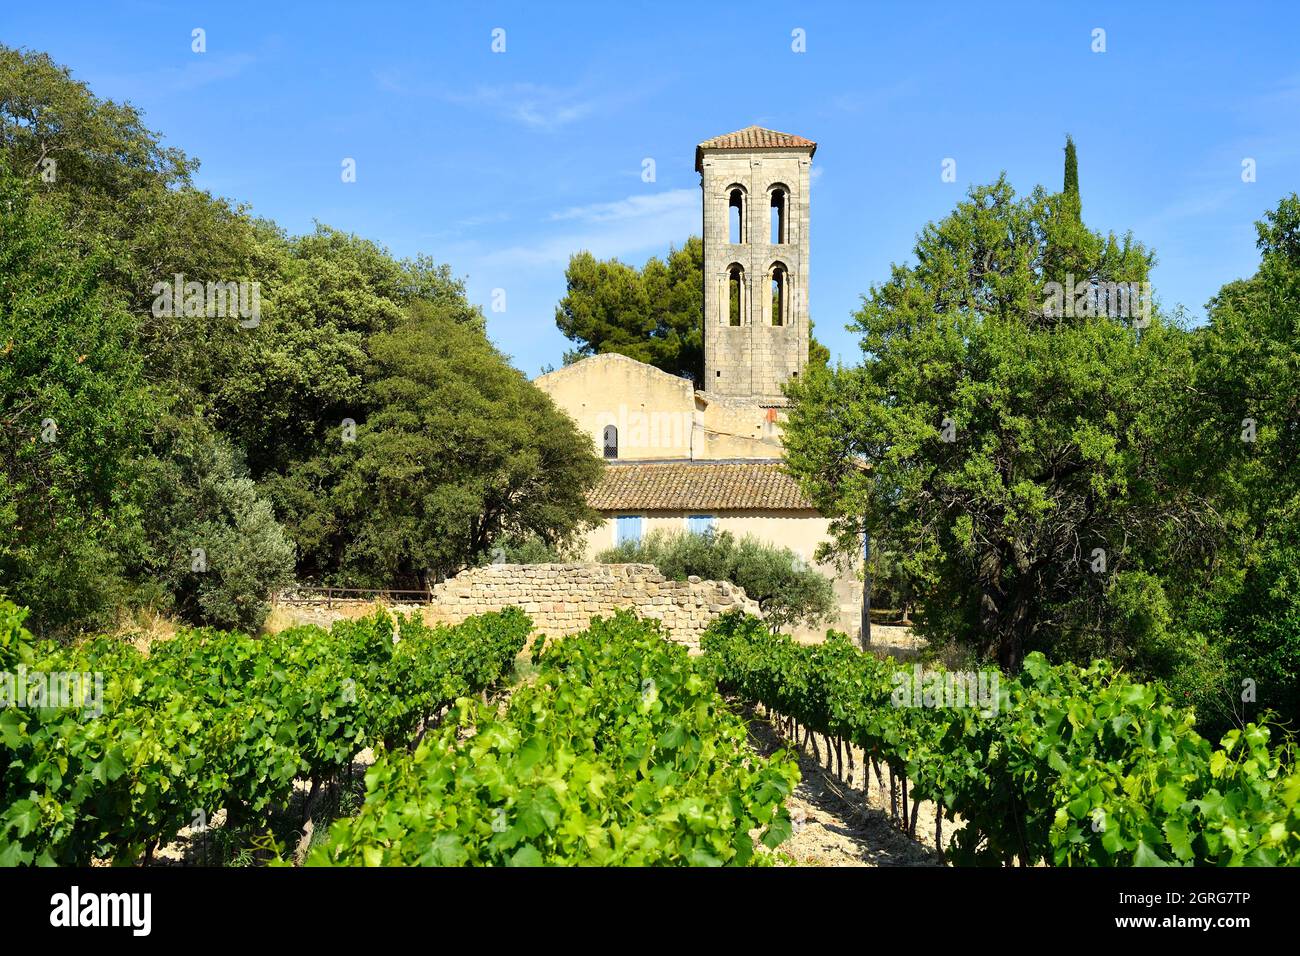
column 684, row 486
column 756, row 137
column 752, row 137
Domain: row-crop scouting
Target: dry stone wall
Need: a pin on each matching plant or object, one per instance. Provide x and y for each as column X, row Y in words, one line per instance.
column 562, row 598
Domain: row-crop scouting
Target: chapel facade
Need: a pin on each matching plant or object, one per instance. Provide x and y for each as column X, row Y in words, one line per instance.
column 691, row 460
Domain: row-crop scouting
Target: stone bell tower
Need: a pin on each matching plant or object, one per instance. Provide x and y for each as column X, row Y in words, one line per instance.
column 755, row 184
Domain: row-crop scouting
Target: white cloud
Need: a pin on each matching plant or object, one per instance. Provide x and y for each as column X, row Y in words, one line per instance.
column 210, row 68
column 534, row 105
column 1191, row 206
column 473, row 222
column 199, row 70
column 633, row 207
column 624, row 228
column 873, row 100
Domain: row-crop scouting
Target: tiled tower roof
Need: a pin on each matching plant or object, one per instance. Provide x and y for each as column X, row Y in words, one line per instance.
column 754, row 137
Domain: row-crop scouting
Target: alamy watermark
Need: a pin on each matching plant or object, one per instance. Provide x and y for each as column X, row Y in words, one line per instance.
column 918, row 687
column 75, row 908
column 67, row 690
column 627, row 429
column 1088, row 299
column 213, row 300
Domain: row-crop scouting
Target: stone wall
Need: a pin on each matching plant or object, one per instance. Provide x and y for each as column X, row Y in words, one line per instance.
column 562, row 598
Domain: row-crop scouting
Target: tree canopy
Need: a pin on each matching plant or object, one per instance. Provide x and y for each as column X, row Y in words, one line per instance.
column 1005, row 450
column 198, row 464
column 1087, row 481
column 654, row 314
column 1244, row 450
column 453, row 449
column 73, row 410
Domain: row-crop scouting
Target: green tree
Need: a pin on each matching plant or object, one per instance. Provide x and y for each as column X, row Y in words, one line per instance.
column 453, row 450
column 1010, row 454
column 654, row 314
column 788, row 591
column 1245, row 403
column 129, row 202
column 239, row 413
column 72, row 413
column 213, row 551
column 1071, row 187
column 94, row 156
column 299, row 373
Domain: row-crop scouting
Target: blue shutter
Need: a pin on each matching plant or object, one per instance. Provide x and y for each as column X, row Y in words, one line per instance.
column 700, row 524
column 627, row 528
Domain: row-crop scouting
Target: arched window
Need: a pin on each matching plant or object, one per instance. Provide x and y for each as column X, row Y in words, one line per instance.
column 611, row 441
column 736, row 216
column 780, row 200
column 735, row 294
column 780, row 294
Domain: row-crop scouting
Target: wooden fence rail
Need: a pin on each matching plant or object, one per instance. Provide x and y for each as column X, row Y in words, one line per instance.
column 308, row 595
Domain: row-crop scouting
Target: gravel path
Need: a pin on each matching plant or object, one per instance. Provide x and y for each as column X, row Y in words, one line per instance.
column 833, row 826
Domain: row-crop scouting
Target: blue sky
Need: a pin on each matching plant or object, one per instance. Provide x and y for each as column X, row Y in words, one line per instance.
column 503, row 164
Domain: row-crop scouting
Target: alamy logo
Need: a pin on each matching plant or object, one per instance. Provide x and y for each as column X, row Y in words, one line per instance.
column 943, row 689
column 1088, row 299
column 103, row 909
column 635, row 429
column 66, row 690
column 213, row 300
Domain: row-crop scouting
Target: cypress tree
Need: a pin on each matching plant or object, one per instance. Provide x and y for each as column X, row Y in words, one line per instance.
column 1072, row 175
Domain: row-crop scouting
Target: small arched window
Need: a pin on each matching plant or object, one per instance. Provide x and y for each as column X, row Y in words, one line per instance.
column 735, row 294
column 736, row 216
column 780, row 200
column 611, row 441
column 780, row 294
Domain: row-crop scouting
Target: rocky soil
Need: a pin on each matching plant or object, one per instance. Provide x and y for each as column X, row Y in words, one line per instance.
column 834, row 825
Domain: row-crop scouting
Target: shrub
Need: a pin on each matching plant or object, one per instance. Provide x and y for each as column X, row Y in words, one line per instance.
column 788, row 591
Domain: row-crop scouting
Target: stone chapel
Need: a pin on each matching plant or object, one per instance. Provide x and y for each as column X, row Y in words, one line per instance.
column 693, row 460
